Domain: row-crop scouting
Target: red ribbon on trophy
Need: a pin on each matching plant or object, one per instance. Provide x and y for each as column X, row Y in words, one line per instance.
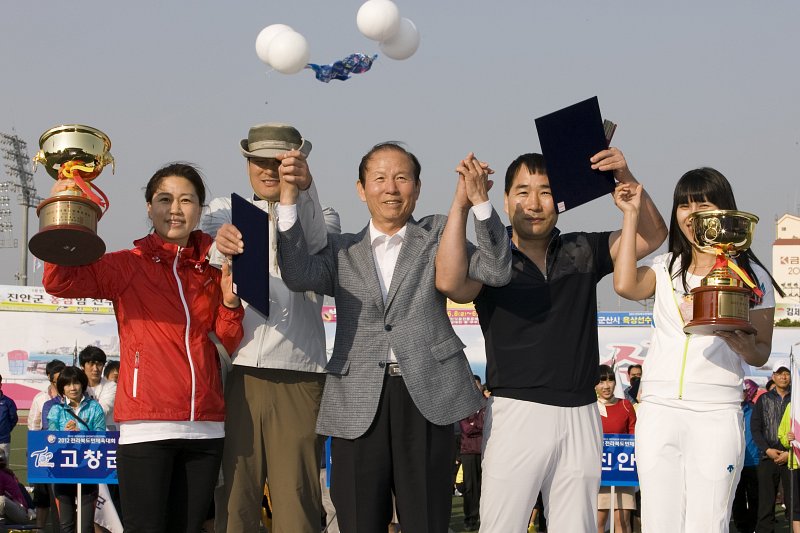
column 723, row 262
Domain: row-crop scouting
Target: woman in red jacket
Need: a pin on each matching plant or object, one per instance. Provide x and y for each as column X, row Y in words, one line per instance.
column 617, row 416
column 169, row 405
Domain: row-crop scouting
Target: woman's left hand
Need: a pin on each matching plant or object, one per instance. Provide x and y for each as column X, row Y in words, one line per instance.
column 740, row 342
column 229, row 299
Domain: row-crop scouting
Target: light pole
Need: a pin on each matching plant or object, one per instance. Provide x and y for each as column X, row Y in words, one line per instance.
column 18, row 166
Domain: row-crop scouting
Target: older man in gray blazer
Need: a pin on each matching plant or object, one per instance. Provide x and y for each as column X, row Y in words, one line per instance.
column 398, row 377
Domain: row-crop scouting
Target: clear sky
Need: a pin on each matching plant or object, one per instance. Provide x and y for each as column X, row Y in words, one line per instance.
column 713, row 83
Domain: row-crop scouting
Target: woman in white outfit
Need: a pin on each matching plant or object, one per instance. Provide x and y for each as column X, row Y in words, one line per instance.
column 689, row 444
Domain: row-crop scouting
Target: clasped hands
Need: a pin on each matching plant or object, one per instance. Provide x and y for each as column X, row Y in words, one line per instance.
column 473, row 182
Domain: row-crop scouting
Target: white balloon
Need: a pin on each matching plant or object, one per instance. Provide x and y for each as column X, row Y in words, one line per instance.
column 265, row 38
column 378, row 20
column 288, row 52
column 404, row 44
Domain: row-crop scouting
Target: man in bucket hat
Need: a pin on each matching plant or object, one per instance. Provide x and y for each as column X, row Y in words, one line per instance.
column 273, row 390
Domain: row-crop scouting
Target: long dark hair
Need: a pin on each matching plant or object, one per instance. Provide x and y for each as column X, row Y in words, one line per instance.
column 705, row 185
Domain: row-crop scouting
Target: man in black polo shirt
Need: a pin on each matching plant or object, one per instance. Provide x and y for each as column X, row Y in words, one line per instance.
column 542, row 429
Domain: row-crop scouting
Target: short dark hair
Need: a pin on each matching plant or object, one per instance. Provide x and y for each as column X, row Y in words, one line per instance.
column 71, row 374
column 631, row 367
column 54, row 367
column 91, row 354
column 388, row 145
column 110, row 367
column 533, row 162
column 181, row 170
column 607, row 374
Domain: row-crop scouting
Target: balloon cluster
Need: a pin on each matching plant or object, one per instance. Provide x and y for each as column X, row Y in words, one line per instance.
column 285, row 50
column 380, row 21
column 282, row 48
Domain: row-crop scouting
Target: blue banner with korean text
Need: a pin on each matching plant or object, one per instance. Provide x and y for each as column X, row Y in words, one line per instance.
column 72, row 457
column 624, row 319
column 619, row 461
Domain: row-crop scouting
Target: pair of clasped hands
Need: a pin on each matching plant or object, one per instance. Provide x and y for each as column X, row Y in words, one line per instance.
column 473, row 182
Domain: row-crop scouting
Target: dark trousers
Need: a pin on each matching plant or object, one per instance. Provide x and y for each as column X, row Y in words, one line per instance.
column 167, row 485
column 795, row 496
column 471, row 465
column 769, row 475
column 67, row 507
column 401, row 453
column 745, row 502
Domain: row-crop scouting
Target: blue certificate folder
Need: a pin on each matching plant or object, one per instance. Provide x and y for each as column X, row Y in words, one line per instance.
column 569, row 137
column 251, row 268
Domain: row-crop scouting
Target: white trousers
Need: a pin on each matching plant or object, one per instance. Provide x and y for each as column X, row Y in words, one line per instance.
column 530, row 447
column 689, row 464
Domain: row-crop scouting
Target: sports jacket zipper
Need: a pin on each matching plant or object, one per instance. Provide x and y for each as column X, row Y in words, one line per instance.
column 186, row 334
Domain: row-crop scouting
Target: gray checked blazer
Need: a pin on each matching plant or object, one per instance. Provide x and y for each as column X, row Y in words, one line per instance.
column 413, row 321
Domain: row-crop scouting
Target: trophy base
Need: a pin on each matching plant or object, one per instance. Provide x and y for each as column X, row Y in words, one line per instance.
column 711, row 327
column 720, row 308
column 67, row 234
column 67, row 245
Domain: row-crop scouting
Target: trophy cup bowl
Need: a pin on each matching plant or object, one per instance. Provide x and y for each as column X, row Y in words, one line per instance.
column 723, row 231
column 68, row 220
column 721, row 302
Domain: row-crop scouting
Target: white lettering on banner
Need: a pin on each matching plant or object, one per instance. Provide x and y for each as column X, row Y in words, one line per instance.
column 623, row 459
column 111, row 459
column 70, row 458
column 93, row 458
column 606, row 461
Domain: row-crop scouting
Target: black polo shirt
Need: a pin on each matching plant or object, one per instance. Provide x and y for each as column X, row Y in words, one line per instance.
column 541, row 332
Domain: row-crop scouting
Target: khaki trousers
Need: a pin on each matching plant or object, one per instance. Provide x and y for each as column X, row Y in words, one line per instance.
column 270, row 423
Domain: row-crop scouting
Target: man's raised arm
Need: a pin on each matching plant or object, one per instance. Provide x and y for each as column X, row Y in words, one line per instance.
column 461, row 268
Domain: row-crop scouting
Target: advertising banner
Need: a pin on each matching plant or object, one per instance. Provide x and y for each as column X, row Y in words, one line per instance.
column 72, row 456
column 619, row 461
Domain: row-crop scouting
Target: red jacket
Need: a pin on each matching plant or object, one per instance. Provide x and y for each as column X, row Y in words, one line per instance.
column 160, row 290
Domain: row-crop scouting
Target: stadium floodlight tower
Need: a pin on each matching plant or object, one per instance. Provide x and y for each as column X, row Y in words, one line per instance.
column 20, row 171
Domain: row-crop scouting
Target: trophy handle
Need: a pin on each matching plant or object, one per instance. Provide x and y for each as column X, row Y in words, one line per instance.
column 107, row 158
column 39, row 158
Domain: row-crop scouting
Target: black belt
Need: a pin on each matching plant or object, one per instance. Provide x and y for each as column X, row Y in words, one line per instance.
column 393, row 370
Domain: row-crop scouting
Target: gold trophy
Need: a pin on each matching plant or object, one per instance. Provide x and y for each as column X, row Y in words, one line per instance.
column 68, row 220
column 722, row 302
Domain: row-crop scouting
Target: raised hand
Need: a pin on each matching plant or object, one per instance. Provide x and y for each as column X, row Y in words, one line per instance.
column 295, row 175
column 628, row 197
column 613, row 159
column 474, row 183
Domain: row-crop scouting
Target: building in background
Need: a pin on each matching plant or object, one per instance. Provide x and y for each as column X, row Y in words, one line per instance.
column 786, row 266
